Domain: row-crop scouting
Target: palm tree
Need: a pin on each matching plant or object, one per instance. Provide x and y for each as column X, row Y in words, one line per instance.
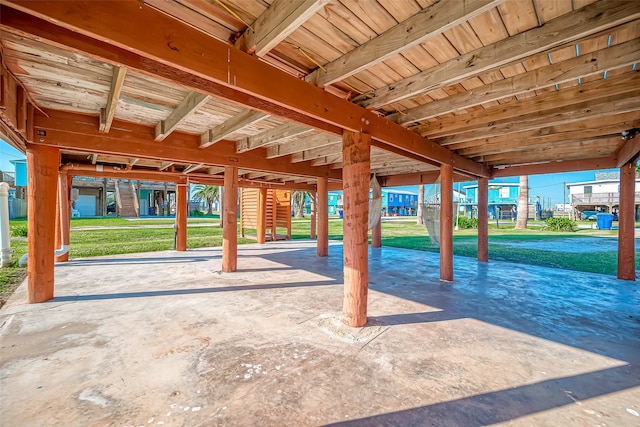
column 209, row 194
column 298, row 198
column 523, row 203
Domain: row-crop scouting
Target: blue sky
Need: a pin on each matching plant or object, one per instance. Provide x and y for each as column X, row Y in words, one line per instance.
column 548, row 186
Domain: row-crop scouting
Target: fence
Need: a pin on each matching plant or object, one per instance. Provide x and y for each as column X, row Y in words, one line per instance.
column 17, row 208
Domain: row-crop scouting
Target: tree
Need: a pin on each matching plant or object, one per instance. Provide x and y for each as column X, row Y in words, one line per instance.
column 420, row 202
column 209, row 194
column 298, row 198
column 523, row 203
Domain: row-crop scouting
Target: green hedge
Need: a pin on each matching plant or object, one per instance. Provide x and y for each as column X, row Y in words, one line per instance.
column 465, row 223
column 560, row 224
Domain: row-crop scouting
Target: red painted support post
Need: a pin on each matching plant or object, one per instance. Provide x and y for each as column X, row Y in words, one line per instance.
column 483, row 220
column 356, row 154
column 626, row 224
column 323, row 217
column 42, row 168
column 230, row 228
column 261, row 220
column 63, row 212
column 446, row 223
column 181, row 215
column 312, row 233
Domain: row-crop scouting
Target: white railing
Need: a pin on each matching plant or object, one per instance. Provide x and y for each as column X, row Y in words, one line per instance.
column 598, row 199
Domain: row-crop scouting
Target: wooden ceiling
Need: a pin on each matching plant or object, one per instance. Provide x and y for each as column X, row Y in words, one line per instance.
column 495, row 87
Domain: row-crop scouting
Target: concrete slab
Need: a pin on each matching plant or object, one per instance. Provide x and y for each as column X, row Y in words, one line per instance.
column 165, row 338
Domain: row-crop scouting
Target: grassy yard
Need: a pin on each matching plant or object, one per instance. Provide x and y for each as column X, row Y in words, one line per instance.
column 401, row 234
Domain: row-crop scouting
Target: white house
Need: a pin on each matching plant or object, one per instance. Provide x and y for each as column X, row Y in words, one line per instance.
column 602, row 194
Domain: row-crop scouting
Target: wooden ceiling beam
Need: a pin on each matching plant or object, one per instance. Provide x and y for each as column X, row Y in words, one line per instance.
column 243, row 119
column 108, row 113
column 79, row 132
column 222, row 71
column 565, row 29
column 599, row 147
column 547, row 109
column 429, row 22
column 625, row 54
column 606, row 162
column 583, row 129
column 193, row 168
column 189, row 105
column 275, row 24
column 314, row 141
column 418, row 178
column 286, row 130
column 628, row 150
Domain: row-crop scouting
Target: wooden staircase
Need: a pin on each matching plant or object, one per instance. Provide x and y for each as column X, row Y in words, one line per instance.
column 127, row 199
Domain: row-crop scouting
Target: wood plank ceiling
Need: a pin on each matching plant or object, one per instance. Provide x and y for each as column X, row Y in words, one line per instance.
column 499, row 82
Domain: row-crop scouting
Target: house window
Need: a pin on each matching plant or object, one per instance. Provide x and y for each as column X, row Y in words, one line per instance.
column 391, row 197
column 588, row 189
column 504, row 192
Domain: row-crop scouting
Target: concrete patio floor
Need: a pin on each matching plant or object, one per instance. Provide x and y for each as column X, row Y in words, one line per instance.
column 164, row 338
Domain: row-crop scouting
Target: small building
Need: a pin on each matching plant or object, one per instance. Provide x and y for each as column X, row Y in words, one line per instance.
column 600, row 195
column 394, row 202
column 503, row 197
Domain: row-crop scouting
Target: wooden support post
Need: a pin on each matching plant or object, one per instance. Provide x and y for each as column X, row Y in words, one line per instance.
column 261, row 220
column 483, row 220
column 42, row 168
column 181, row 215
column 376, row 235
column 626, row 231
column 446, row 223
column 230, row 227
column 323, row 217
column 63, row 212
column 312, row 232
column 356, row 154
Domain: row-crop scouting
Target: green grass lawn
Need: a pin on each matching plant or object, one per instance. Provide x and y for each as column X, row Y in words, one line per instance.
column 401, row 234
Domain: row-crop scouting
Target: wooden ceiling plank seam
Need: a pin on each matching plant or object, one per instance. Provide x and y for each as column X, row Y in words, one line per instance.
column 565, row 29
column 189, row 105
column 108, row 113
column 235, row 123
column 276, row 23
column 240, row 79
column 427, row 23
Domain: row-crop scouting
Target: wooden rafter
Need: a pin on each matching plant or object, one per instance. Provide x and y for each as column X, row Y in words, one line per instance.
column 107, row 114
column 94, row 159
column 316, row 153
column 189, row 105
column 235, row 123
column 78, row 132
column 193, row 168
column 271, row 136
column 557, row 73
column 240, row 78
column 429, row 22
column 563, row 30
column 274, row 25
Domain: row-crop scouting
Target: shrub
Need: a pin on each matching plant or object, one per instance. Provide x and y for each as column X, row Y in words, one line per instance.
column 465, row 223
column 19, row 231
column 196, row 212
column 560, row 224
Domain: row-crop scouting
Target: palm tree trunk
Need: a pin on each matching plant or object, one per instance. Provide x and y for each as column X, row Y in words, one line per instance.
column 523, row 203
column 420, row 202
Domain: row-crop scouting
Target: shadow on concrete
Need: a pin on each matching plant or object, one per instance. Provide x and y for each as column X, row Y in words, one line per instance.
column 170, row 292
column 91, row 262
column 505, row 405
